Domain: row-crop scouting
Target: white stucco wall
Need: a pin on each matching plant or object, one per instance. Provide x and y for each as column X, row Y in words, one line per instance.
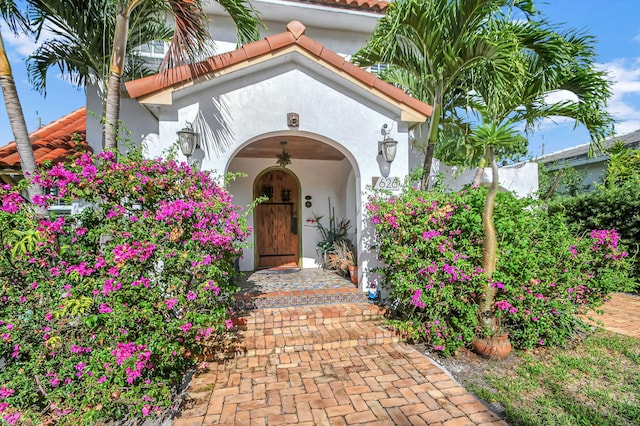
column 254, row 105
column 342, row 30
column 236, row 110
column 343, row 42
column 141, row 125
column 521, row 178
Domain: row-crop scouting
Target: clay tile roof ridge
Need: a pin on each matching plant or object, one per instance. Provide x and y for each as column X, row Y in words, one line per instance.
column 70, row 118
column 372, row 5
column 270, row 44
column 52, row 142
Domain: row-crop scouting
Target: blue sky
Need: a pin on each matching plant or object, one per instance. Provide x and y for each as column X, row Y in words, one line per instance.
column 614, row 23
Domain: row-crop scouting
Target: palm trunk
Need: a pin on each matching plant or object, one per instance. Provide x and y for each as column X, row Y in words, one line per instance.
column 554, row 185
column 489, row 246
column 112, row 113
column 426, row 166
column 18, row 125
column 477, row 179
column 434, row 122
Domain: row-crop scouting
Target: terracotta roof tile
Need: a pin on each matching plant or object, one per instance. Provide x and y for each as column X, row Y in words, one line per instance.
column 54, row 142
column 389, row 90
column 296, row 28
column 332, row 57
column 311, row 45
column 237, row 56
column 365, row 77
column 294, row 36
column 279, row 40
column 256, row 48
column 371, row 5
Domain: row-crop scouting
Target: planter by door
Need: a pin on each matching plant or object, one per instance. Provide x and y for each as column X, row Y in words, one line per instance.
column 353, row 273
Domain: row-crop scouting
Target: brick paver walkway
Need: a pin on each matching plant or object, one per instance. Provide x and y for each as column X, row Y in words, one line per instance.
column 327, row 365
column 621, row 315
column 335, row 365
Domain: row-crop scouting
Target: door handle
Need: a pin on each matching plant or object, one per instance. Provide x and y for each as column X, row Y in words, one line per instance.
column 294, row 223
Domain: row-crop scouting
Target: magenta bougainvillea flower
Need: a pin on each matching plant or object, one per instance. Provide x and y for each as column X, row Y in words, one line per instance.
column 114, row 293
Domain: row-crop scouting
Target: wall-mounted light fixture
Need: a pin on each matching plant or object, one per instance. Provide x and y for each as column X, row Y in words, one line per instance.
column 388, row 145
column 188, row 140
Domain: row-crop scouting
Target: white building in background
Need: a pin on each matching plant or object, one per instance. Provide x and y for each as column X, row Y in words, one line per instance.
column 592, row 167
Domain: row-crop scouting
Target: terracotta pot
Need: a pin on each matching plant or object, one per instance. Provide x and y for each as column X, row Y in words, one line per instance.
column 353, row 273
column 495, row 347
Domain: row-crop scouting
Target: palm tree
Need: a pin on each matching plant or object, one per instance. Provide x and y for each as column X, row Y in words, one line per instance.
column 544, row 61
column 82, row 40
column 127, row 24
column 431, row 46
column 190, row 37
column 16, row 22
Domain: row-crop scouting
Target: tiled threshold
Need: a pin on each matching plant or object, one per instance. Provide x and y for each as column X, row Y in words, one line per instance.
column 278, row 299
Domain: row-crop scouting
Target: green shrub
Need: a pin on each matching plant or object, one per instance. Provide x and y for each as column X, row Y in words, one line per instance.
column 615, row 207
column 104, row 311
column 430, row 247
column 615, row 204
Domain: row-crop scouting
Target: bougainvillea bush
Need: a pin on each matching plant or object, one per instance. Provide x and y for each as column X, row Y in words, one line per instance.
column 103, row 311
column 430, row 247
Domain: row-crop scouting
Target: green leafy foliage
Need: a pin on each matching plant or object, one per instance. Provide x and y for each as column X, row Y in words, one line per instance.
column 104, row 311
column 613, row 205
column 430, row 247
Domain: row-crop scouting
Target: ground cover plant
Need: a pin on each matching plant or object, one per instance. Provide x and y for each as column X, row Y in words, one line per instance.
column 594, row 380
column 430, row 247
column 103, row 311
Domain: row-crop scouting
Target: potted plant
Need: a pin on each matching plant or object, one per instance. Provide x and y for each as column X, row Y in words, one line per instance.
column 330, row 236
column 343, row 260
column 493, row 342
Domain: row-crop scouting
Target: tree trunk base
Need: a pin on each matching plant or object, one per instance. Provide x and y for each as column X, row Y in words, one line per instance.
column 494, row 347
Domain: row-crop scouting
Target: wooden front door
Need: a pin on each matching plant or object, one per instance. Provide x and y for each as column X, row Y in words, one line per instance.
column 277, row 236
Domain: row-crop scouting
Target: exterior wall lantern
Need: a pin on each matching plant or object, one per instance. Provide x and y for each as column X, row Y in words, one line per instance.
column 285, row 158
column 188, row 140
column 388, row 145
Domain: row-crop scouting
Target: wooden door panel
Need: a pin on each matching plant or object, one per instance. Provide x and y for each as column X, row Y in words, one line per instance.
column 273, row 224
column 277, row 242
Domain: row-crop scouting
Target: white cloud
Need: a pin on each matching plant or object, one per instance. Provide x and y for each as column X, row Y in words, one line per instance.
column 624, row 104
column 626, row 127
column 22, row 45
column 559, row 96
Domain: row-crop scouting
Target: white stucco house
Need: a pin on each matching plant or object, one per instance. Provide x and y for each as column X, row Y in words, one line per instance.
column 294, row 96
column 297, row 86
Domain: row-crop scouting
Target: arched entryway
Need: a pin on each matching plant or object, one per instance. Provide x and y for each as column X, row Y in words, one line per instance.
column 277, row 220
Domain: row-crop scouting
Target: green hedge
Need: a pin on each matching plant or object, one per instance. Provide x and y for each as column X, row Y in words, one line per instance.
column 607, row 208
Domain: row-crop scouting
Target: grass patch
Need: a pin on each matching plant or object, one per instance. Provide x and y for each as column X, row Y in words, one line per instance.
column 594, row 382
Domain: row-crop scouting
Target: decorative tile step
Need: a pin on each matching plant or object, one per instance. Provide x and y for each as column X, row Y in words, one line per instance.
column 277, row 299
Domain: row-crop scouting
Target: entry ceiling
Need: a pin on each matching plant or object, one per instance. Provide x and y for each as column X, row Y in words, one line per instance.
column 300, row 148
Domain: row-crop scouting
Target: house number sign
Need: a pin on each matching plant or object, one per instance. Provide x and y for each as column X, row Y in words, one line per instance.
column 389, row 183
